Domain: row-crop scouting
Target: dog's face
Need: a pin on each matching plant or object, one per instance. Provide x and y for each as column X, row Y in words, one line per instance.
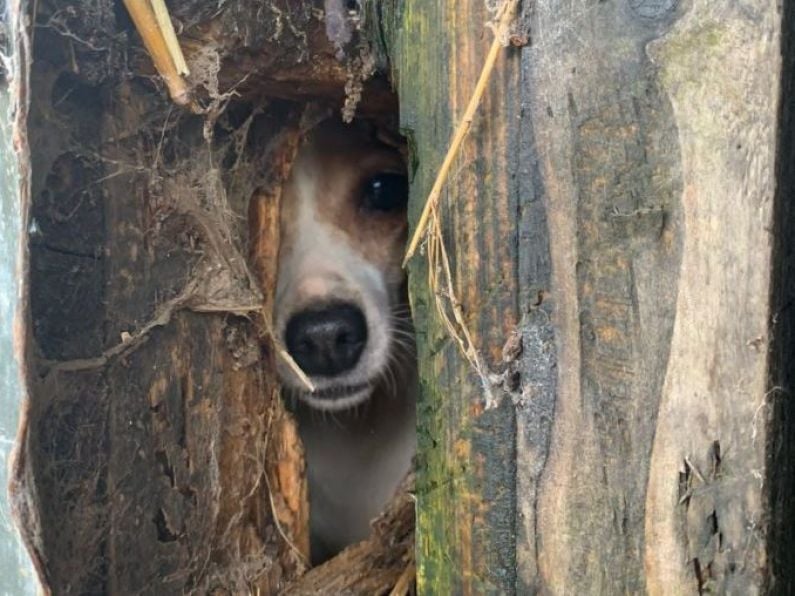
column 340, row 308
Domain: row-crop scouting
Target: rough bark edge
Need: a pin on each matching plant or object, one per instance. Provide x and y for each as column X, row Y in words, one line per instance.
column 16, row 66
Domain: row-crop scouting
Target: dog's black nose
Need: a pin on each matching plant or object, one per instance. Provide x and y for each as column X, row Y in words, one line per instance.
column 327, row 342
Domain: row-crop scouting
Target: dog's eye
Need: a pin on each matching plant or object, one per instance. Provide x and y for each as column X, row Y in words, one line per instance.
column 386, row 192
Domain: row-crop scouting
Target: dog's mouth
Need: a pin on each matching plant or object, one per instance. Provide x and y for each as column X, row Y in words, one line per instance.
column 338, row 397
column 338, row 392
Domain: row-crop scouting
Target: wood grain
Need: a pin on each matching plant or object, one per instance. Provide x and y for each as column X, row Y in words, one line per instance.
column 173, row 467
column 159, row 458
column 466, row 500
column 613, row 210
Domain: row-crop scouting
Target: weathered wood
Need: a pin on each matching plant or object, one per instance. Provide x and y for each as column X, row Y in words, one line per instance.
column 157, row 456
column 466, row 499
column 614, row 207
column 150, row 468
column 382, row 564
column 149, row 472
column 781, row 444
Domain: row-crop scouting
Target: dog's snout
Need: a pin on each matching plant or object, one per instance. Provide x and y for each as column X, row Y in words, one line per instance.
column 327, row 342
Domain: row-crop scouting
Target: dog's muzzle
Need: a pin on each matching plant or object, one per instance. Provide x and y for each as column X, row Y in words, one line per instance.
column 327, row 341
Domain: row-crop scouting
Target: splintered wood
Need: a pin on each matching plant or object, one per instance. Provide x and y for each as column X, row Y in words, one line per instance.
column 285, row 469
column 264, row 214
column 382, row 564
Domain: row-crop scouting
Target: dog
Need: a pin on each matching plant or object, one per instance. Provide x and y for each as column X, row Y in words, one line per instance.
column 341, row 311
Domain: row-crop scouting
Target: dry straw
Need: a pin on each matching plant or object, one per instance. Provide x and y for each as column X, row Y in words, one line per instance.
column 504, row 18
column 153, row 22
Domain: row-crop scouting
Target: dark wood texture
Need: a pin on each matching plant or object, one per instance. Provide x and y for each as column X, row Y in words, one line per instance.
column 156, row 455
column 149, row 464
column 781, row 444
column 613, row 207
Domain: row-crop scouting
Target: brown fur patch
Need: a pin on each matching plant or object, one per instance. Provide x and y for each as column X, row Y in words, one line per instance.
column 344, row 158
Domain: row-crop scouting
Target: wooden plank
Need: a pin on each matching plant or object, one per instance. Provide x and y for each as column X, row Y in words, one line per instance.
column 717, row 375
column 613, row 206
column 781, row 444
column 659, row 161
column 466, row 500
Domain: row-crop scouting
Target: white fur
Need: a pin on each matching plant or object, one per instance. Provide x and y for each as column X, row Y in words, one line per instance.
column 359, row 445
column 322, row 266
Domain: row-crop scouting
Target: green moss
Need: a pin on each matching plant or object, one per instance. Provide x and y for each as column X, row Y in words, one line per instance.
column 464, row 524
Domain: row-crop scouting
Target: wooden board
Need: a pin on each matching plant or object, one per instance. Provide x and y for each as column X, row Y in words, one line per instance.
column 614, row 206
column 154, row 465
column 466, row 470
